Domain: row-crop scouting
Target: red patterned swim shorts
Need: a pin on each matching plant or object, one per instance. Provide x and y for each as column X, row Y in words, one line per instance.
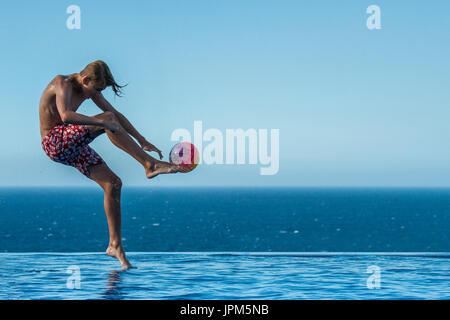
column 68, row 144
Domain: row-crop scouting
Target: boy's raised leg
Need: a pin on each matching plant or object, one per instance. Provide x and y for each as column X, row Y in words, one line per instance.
column 122, row 140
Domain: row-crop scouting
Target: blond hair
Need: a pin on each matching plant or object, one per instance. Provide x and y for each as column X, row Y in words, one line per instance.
column 98, row 71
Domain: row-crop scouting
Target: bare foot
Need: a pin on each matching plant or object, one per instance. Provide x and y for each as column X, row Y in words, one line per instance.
column 160, row 167
column 119, row 254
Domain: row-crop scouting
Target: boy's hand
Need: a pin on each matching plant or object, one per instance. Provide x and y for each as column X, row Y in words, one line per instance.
column 147, row 146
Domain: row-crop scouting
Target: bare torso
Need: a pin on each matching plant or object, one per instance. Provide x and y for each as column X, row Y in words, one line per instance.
column 48, row 112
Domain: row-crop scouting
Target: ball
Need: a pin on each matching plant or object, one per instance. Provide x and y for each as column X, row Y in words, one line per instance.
column 184, row 154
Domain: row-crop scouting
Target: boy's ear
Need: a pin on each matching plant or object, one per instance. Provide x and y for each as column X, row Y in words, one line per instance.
column 85, row 80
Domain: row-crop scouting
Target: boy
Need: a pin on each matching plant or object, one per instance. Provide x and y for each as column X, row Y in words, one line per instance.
column 66, row 134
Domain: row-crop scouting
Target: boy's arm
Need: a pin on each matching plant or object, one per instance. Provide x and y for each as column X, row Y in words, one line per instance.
column 63, row 104
column 104, row 105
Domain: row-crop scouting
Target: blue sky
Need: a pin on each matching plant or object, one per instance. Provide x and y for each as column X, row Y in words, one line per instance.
column 354, row 107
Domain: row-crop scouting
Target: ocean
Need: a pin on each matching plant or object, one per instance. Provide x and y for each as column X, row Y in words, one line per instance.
column 228, row 243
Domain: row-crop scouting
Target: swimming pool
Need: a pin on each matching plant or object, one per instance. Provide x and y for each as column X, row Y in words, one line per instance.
column 226, row 275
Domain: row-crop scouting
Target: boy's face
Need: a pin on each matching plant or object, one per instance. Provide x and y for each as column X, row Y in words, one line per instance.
column 91, row 88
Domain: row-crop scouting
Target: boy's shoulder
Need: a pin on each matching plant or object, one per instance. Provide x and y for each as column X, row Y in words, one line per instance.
column 60, row 79
column 64, row 82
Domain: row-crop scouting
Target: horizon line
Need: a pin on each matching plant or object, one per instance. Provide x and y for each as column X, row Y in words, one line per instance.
column 280, row 253
column 239, row 186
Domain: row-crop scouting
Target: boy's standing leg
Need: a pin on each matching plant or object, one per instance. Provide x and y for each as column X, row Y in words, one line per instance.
column 112, row 186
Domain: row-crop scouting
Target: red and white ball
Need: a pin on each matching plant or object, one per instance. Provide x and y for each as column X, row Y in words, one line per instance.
column 184, row 154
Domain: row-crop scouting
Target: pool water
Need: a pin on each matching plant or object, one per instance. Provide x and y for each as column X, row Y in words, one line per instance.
column 226, row 276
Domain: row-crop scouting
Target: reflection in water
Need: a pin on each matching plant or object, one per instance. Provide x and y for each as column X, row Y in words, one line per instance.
column 113, row 289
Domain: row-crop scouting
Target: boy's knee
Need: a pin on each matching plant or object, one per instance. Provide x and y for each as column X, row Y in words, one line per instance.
column 110, row 116
column 114, row 185
column 117, row 184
